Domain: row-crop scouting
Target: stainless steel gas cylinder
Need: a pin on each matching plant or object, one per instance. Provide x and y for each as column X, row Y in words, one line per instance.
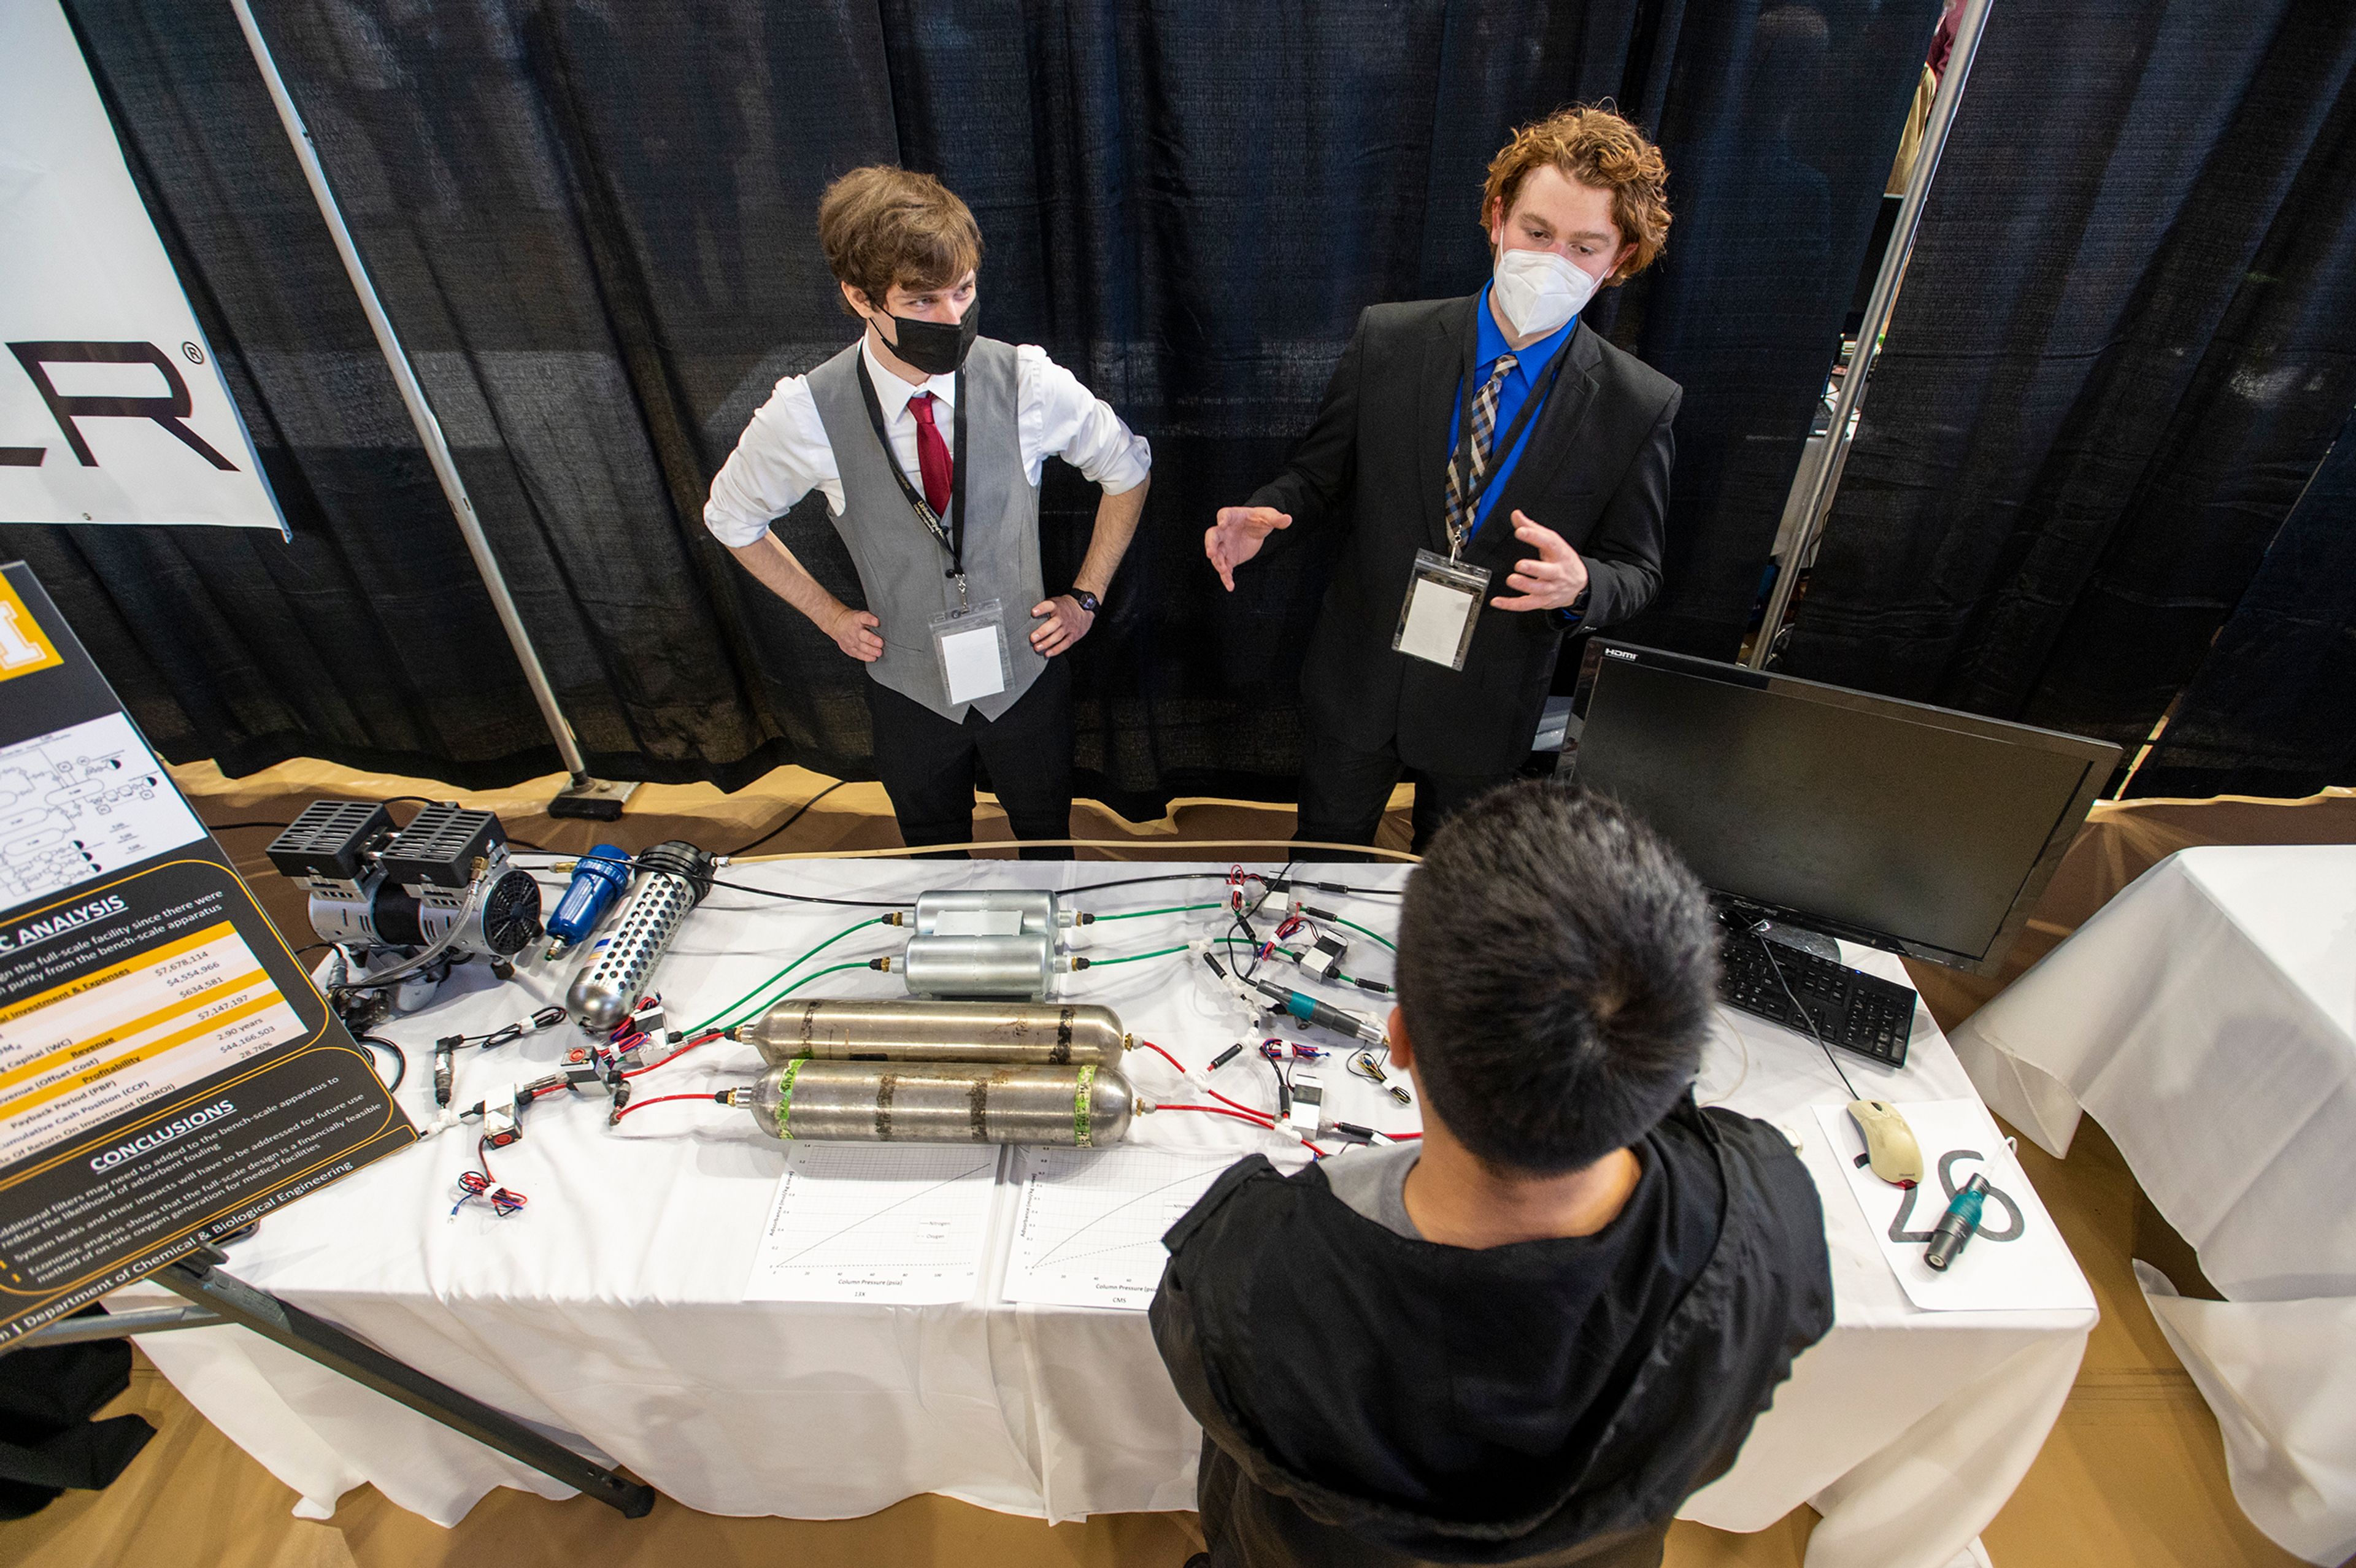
column 981, row 965
column 1042, row 1034
column 989, row 912
column 1086, row 1106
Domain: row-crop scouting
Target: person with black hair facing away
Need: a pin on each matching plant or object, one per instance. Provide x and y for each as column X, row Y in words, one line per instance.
column 1527, row 1339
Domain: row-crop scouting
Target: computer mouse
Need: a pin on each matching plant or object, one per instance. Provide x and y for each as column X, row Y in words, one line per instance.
column 1889, row 1142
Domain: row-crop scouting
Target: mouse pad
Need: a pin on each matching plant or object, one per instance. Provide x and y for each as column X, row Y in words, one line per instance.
column 2016, row 1262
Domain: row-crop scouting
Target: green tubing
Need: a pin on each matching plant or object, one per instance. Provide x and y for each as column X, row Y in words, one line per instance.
column 788, row 969
column 1141, row 913
column 1133, row 958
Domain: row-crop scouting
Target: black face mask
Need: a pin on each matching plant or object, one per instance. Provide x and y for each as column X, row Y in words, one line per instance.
column 935, row 347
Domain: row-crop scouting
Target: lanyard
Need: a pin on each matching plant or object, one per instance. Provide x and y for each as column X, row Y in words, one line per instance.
column 1498, row 450
column 951, row 538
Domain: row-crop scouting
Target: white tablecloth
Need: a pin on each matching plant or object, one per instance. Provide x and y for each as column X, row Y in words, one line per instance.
column 2207, row 1017
column 609, row 1312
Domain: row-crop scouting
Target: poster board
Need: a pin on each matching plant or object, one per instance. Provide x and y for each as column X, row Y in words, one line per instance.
column 168, row 1072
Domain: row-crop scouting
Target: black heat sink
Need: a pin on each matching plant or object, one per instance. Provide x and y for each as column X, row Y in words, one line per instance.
column 329, row 837
column 440, row 846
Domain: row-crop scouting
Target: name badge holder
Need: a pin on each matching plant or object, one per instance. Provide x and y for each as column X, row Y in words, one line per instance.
column 970, row 645
column 1443, row 599
column 1443, row 595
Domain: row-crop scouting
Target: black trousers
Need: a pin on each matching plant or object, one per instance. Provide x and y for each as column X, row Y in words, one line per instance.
column 927, row 763
column 1344, row 789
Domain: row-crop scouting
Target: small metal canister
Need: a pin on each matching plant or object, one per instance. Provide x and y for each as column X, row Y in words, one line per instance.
column 981, row 965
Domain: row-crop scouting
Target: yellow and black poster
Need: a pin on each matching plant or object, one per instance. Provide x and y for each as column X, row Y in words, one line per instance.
column 168, row 1072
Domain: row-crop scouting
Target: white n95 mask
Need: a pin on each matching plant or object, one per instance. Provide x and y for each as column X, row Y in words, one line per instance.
column 1539, row 291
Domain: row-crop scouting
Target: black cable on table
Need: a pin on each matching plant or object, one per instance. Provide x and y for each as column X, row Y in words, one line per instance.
column 788, row 822
column 808, row 898
column 400, row 1057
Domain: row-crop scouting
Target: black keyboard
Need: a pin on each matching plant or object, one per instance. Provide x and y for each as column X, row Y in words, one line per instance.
column 1850, row 1008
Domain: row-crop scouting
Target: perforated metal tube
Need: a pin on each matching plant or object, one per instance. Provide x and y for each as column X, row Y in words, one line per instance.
column 673, row 878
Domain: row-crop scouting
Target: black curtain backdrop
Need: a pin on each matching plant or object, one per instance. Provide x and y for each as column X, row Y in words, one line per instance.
column 2273, row 709
column 2126, row 340
column 593, row 226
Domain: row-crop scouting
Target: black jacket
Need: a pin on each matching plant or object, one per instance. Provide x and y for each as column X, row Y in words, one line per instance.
column 1595, row 469
column 1765, row 1295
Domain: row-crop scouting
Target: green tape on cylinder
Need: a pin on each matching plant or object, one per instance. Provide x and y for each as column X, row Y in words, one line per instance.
column 786, row 1094
column 1080, row 1107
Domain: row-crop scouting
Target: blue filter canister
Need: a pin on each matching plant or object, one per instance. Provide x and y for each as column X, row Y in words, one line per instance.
column 599, row 878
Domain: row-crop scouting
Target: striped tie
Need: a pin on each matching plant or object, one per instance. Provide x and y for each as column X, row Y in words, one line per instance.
column 1484, row 429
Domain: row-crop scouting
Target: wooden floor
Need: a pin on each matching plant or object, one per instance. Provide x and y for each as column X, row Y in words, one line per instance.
column 2134, row 1473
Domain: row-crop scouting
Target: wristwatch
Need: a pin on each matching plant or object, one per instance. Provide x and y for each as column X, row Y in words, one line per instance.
column 1085, row 600
column 1572, row 613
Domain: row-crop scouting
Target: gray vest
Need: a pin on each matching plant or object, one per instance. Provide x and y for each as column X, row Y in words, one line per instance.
column 903, row 569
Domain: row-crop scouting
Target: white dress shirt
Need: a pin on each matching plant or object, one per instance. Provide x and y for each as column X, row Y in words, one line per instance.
column 784, row 455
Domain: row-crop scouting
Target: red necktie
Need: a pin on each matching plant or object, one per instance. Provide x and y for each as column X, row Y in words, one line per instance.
column 932, row 454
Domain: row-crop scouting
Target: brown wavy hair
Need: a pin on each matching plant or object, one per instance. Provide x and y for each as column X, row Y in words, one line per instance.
column 1596, row 146
column 881, row 225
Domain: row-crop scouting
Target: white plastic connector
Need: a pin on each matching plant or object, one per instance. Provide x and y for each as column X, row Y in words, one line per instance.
column 441, row 1124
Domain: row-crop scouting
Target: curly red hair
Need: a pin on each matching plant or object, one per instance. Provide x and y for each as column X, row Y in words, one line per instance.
column 1597, row 148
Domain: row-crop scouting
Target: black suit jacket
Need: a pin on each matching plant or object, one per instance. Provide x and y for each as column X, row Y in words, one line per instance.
column 1595, row 469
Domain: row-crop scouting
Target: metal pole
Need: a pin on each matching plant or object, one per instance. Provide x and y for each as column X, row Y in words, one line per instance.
column 1818, row 473
column 589, row 798
column 321, row 1341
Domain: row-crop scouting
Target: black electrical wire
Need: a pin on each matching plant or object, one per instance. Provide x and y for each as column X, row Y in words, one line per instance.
column 1805, row 1016
column 790, row 821
column 1283, row 1087
column 400, row 1058
column 1141, row 881
column 812, row 898
column 1341, row 887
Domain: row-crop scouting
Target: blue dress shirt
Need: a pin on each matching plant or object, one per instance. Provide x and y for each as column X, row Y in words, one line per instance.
column 1530, row 367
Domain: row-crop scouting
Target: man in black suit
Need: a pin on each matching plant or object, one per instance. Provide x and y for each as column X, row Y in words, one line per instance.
column 1567, row 467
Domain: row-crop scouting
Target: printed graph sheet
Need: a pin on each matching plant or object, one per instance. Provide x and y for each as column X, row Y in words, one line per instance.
column 1089, row 1224
column 890, row 1223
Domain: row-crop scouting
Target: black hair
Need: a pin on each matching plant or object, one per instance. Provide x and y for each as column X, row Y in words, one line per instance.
column 1557, row 964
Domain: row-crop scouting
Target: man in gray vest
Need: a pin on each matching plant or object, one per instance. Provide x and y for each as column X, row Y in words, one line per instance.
column 928, row 441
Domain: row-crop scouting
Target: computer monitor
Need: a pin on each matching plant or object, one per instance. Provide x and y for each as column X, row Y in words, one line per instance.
column 1912, row 829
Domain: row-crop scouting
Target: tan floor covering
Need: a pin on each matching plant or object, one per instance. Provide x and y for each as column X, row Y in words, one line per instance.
column 2134, row 1473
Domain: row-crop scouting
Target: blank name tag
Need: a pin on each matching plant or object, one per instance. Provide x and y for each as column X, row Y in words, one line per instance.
column 971, row 648
column 1443, row 598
